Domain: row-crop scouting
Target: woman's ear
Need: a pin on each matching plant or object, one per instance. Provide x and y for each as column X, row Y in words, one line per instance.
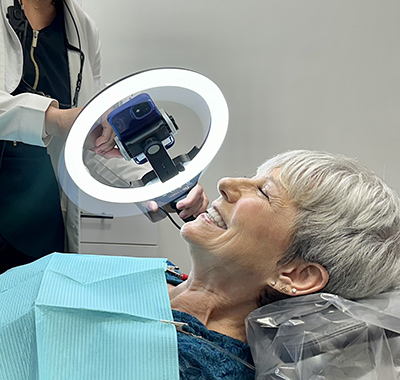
column 299, row 278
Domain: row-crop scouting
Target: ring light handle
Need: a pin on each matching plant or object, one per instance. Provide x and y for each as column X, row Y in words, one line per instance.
column 175, row 201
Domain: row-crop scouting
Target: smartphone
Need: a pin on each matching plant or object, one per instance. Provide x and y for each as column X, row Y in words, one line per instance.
column 138, row 119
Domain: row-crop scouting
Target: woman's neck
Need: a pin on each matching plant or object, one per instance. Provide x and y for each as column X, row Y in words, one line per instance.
column 40, row 13
column 217, row 307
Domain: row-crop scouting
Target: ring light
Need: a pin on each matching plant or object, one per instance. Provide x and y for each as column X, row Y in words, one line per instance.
column 181, row 86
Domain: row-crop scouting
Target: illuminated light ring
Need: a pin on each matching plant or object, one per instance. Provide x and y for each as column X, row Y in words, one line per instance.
column 181, row 86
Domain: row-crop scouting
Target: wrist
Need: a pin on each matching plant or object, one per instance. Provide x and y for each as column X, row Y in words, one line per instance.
column 58, row 122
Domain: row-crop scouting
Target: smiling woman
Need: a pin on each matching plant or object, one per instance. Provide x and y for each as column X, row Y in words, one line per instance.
column 306, row 222
column 257, row 213
column 235, row 250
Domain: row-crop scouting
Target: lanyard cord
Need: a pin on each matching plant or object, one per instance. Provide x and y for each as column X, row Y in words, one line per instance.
column 81, row 56
column 20, row 26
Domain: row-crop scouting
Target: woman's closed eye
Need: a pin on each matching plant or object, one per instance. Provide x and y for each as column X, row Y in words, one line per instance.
column 263, row 193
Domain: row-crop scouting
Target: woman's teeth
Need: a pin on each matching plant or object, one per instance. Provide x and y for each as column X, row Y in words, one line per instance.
column 216, row 218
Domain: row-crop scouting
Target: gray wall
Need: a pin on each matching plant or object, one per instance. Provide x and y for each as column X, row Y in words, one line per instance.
column 311, row 74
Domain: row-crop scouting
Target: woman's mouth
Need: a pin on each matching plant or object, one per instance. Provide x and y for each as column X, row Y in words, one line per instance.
column 216, row 218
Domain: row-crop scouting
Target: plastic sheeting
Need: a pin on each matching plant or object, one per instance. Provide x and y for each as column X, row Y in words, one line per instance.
column 323, row 336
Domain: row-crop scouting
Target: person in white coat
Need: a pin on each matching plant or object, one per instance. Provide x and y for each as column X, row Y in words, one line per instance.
column 49, row 68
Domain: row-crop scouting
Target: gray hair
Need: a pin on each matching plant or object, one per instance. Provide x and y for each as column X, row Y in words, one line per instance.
column 348, row 220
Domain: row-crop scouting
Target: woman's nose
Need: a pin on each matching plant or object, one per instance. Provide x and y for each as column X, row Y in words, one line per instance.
column 230, row 188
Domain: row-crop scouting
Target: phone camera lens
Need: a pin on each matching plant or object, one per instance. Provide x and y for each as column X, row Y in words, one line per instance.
column 141, row 109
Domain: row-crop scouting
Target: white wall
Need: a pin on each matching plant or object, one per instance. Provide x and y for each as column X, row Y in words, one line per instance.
column 312, row 74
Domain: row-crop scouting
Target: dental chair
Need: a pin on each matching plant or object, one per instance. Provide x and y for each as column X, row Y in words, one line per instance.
column 323, row 336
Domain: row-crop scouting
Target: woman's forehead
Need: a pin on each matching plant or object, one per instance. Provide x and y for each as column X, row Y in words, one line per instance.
column 266, row 170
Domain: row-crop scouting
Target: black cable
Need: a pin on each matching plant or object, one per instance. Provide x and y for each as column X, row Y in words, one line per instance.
column 81, row 56
column 170, row 218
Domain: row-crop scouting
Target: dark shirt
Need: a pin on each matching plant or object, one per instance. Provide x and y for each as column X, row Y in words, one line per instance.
column 51, row 56
column 206, row 354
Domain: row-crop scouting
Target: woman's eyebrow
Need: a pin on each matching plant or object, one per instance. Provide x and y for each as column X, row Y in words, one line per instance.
column 275, row 185
column 276, row 182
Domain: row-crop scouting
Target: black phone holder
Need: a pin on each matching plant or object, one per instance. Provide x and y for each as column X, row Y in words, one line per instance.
column 172, row 198
column 175, row 196
column 149, row 142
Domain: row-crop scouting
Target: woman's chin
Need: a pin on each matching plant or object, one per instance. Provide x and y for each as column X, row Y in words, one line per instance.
column 201, row 232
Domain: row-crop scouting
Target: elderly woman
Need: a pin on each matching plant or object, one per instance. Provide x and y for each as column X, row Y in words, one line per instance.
column 306, row 222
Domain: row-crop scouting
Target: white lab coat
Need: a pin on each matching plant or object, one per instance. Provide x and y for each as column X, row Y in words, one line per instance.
column 22, row 116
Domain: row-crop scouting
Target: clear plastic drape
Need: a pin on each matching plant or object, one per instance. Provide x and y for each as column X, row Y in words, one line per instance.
column 323, row 336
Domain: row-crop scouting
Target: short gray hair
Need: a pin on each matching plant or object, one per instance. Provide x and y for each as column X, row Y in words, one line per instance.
column 348, row 220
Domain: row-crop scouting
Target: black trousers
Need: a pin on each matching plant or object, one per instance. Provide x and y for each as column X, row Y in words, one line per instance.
column 11, row 257
column 30, row 213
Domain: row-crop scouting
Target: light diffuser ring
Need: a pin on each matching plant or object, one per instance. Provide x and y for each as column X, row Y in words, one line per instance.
column 181, row 86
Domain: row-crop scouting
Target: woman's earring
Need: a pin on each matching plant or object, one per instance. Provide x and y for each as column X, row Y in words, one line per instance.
column 273, row 283
column 294, row 290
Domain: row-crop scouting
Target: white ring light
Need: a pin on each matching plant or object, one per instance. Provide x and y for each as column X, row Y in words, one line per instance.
column 181, row 86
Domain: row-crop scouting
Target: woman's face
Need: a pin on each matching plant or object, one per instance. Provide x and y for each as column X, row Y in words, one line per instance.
column 249, row 224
